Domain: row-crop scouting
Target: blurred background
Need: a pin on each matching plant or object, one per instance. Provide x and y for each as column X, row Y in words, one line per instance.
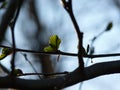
column 39, row 19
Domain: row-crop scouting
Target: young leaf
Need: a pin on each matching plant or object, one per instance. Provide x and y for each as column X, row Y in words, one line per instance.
column 2, row 56
column 5, row 52
column 49, row 49
column 54, row 42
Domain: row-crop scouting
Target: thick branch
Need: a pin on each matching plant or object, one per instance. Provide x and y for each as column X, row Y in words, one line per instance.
column 63, row 81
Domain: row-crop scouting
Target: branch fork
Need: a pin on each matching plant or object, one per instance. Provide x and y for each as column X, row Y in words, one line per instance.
column 67, row 4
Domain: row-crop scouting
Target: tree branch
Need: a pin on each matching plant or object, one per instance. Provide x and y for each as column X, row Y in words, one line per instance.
column 7, row 17
column 62, row 53
column 68, row 7
column 12, row 26
column 63, row 81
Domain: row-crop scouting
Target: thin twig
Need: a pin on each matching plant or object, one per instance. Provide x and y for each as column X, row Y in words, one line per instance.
column 63, row 53
column 4, row 69
column 31, row 65
column 12, row 26
column 14, row 52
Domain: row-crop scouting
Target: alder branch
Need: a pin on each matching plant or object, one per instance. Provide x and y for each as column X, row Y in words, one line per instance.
column 12, row 26
column 67, row 4
column 7, row 17
column 63, row 81
column 62, row 53
column 69, row 79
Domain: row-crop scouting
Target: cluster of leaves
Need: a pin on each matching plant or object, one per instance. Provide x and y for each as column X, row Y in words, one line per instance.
column 54, row 43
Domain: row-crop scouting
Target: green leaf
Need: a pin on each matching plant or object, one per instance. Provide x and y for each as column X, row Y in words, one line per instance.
column 54, row 43
column 110, row 25
column 5, row 52
column 2, row 56
column 49, row 49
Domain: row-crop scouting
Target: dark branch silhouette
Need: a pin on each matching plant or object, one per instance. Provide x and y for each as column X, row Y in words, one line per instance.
column 60, row 79
column 72, row 78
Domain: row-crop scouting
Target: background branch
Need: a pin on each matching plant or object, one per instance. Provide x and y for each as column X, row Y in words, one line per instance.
column 70, row 79
column 12, row 26
column 7, row 17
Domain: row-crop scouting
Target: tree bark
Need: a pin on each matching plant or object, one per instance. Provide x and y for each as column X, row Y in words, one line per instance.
column 59, row 82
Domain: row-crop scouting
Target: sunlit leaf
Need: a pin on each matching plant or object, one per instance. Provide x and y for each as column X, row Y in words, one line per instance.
column 2, row 56
column 49, row 49
column 5, row 52
column 54, row 42
column 110, row 25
